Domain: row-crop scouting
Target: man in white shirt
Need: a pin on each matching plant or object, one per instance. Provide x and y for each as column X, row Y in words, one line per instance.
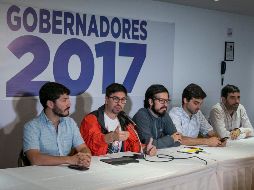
column 190, row 121
column 229, row 118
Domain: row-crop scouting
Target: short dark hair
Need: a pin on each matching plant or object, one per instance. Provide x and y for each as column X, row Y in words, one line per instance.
column 151, row 91
column 51, row 91
column 193, row 91
column 115, row 87
column 229, row 89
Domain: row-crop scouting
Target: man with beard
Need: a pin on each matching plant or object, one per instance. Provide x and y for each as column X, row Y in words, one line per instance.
column 190, row 121
column 229, row 118
column 109, row 130
column 154, row 122
column 49, row 138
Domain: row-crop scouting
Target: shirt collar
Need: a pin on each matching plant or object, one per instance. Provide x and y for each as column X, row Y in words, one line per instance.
column 152, row 113
column 45, row 118
column 225, row 109
column 186, row 114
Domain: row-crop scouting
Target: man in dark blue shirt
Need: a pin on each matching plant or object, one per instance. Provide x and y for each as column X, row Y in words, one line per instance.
column 153, row 120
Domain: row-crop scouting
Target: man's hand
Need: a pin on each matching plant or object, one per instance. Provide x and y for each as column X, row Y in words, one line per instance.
column 235, row 133
column 81, row 159
column 214, row 141
column 120, row 135
column 248, row 133
column 150, row 148
column 116, row 135
column 177, row 137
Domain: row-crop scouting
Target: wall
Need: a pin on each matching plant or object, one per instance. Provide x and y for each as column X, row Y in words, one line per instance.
column 199, row 48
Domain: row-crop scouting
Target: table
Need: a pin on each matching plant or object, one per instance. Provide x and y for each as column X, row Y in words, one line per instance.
column 228, row 168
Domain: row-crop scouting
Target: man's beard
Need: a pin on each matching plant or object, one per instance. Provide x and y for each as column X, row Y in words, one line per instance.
column 233, row 107
column 160, row 114
column 59, row 112
column 191, row 111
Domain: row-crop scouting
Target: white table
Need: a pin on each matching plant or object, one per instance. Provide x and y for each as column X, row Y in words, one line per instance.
column 229, row 167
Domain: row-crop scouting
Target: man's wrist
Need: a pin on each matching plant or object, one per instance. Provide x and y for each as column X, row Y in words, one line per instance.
column 109, row 138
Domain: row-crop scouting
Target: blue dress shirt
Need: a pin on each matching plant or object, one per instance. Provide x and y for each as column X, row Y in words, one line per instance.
column 41, row 134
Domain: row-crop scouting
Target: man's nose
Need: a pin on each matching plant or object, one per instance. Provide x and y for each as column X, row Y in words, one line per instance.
column 69, row 103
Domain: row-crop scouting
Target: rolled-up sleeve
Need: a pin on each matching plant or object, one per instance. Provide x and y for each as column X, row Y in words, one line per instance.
column 245, row 122
column 216, row 119
column 205, row 127
column 176, row 118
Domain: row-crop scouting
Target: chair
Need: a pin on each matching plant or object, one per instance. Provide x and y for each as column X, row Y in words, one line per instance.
column 23, row 160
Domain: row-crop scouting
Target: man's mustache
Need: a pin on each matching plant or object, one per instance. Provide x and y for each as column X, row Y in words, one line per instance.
column 67, row 109
column 164, row 107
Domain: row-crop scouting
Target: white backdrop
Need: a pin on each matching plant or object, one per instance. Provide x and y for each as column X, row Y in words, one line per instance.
column 85, row 52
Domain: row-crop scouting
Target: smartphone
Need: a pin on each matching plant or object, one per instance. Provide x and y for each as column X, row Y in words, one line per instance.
column 223, row 139
column 77, row 167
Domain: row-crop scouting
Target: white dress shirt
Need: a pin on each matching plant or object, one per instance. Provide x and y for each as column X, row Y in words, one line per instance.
column 189, row 126
column 223, row 122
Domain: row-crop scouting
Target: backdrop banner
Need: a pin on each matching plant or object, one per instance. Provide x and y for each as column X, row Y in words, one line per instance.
column 84, row 52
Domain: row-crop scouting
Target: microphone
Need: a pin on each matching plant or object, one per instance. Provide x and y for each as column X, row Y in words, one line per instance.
column 122, row 113
column 141, row 155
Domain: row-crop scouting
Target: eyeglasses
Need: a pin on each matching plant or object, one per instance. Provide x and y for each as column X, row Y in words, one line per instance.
column 162, row 101
column 117, row 99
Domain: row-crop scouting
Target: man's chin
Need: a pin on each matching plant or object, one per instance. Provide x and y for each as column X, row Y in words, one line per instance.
column 162, row 113
column 194, row 112
column 65, row 114
column 117, row 111
column 235, row 108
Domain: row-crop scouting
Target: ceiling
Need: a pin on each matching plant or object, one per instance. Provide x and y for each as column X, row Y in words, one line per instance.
column 243, row 7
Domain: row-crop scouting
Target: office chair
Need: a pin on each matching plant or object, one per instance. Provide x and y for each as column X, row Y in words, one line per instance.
column 23, row 160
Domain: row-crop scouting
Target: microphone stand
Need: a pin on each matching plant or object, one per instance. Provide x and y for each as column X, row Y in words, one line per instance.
column 141, row 155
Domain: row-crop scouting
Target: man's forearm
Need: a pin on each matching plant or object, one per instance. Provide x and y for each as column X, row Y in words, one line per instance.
column 46, row 160
column 85, row 150
column 193, row 141
column 164, row 142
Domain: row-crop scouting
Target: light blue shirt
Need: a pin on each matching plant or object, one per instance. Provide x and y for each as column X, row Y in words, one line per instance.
column 41, row 134
column 189, row 127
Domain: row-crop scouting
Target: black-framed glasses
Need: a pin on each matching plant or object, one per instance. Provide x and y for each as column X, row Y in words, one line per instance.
column 162, row 101
column 117, row 99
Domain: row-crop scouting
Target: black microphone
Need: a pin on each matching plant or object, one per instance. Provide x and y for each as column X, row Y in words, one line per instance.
column 137, row 156
column 122, row 113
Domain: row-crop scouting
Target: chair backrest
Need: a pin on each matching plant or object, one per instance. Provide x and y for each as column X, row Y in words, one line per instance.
column 23, row 160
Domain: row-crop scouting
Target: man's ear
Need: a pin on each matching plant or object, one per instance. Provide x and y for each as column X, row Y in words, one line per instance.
column 223, row 100
column 106, row 100
column 150, row 100
column 185, row 100
column 50, row 104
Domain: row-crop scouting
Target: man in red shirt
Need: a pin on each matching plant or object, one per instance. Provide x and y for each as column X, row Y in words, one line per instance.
column 107, row 131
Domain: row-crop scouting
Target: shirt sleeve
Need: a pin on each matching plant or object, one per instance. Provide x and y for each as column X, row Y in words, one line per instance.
column 176, row 118
column 169, row 129
column 31, row 137
column 205, row 127
column 77, row 138
column 245, row 122
column 216, row 119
